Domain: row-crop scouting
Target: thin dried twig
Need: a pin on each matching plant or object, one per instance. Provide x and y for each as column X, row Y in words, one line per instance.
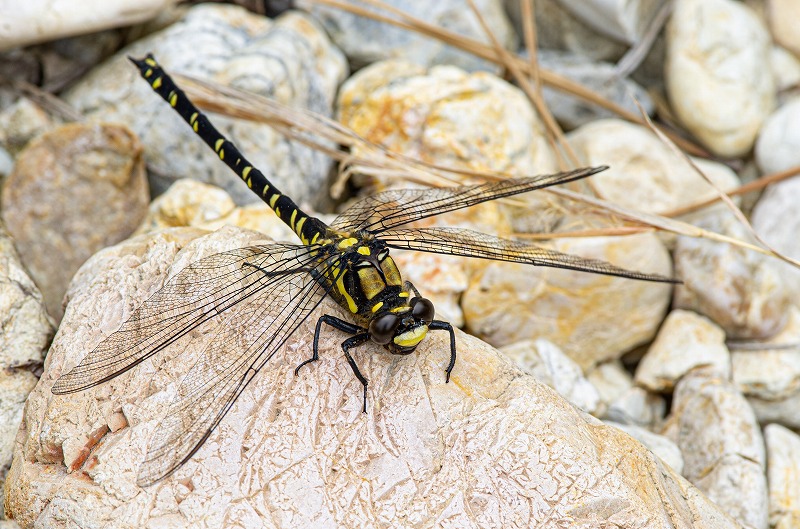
column 637, row 53
column 363, row 156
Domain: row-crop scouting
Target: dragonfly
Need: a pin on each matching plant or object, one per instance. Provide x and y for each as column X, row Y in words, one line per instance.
column 261, row 294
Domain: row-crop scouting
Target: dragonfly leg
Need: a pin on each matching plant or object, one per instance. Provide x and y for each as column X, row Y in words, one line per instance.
column 354, row 341
column 335, row 322
column 410, row 286
column 438, row 325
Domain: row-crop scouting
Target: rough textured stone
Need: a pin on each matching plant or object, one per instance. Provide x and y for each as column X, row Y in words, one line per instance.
column 685, row 340
column 545, row 361
column 74, row 190
column 783, row 475
column 297, row 451
column 25, row 331
column 770, row 378
column 290, row 60
column 644, row 173
column 592, row 318
column 718, row 60
column 20, row 123
column 365, row 41
column 722, row 446
column 658, row 444
column 740, row 290
column 778, row 145
column 446, row 116
column 599, row 77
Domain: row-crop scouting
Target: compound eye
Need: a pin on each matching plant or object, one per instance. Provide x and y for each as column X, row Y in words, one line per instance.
column 422, row 309
column 381, row 330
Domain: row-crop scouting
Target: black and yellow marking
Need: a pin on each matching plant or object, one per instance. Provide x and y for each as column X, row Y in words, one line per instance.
column 283, row 206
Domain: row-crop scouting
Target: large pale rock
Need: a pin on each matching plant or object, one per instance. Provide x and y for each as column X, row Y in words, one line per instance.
column 545, row 361
column 778, row 145
column 740, row 290
column 74, row 190
column 783, row 475
column 644, row 173
column 42, row 20
column 626, row 403
column 592, row 318
column 20, row 123
column 770, row 378
column 446, row 116
column 718, row 60
column 298, row 452
column 25, row 331
column 686, row 340
column 783, row 17
column 290, row 60
column 722, row 446
column 365, row 40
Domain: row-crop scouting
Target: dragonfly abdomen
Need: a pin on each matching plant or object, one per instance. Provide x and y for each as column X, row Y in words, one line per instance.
column 305, row 226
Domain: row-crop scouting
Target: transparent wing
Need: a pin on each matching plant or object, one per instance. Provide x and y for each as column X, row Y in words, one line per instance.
column 249, row 336
column 199, row 292
column 394, row 208
column 468, row 243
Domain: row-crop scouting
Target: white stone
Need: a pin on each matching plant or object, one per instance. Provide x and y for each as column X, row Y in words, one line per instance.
column 637, row 407
column 365, row 40
column 623, row 20
column 722, row 446
column 289, row 59
column 298, row 452
column 592, row 318
column 644, row 173
column 685, row 340
column 545, row 361
column 43, row 20
column 783, row 476
column 785, row 69
column 778, row 145
column 784, row 17
column 658, row 444
column 717, row 61
column 770, row 378
column 740, row 290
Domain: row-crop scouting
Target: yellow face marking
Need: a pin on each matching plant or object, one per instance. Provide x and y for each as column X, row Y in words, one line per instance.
column 218, row 145
column 347, row 243
column 157, row 83
column 377, row 306
column 402, row 295
column 412, row 337
column 274, row 199
column 402, row 308
column 363, row 250
column 340, row 286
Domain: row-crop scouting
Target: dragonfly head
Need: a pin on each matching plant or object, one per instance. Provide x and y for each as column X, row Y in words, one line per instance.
column 402, row 332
